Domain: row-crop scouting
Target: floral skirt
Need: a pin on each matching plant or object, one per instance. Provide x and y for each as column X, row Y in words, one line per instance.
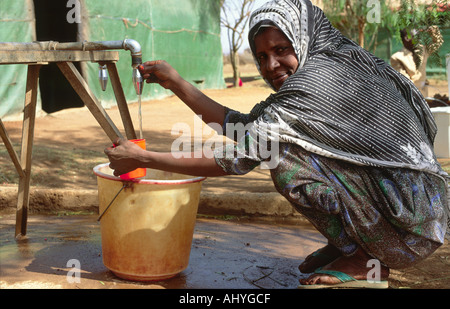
column 396, row 215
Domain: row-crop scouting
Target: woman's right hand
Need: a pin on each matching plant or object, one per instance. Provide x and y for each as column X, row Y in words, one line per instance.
column 160, row 72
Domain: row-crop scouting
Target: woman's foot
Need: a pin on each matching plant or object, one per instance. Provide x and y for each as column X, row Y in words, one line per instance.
column 354, row 266
column 319, row 258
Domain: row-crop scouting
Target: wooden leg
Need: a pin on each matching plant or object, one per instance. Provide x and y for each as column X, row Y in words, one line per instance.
column 11, row 151
column 29, row 115
column 121, row 100
column 89, row 99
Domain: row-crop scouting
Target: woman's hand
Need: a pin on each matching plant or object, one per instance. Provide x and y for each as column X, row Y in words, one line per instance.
column 160, row 72
column 125, row 156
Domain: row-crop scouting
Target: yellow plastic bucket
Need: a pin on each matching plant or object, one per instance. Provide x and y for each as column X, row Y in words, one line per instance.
column 148, row 228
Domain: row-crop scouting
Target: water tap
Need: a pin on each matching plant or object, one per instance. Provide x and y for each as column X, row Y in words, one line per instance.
column 138, row 80
column 103, row 76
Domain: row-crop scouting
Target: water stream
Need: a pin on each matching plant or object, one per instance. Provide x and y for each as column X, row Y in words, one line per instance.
column 141, row 136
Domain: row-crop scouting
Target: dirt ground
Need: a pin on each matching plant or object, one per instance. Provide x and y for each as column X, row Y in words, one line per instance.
column 68, row 144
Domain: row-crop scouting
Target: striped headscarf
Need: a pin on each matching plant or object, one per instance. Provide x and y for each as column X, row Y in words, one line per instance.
column 343, row 102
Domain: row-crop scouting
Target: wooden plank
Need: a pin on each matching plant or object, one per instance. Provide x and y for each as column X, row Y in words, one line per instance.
column 36, row 56
column 29, row 117
column 80, row 86
column 10, row 149
column 121, row 101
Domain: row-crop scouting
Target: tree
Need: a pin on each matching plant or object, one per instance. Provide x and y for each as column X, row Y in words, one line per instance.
column 235, row 15
column 357, row 18
column 412, row 15
column 361, row 20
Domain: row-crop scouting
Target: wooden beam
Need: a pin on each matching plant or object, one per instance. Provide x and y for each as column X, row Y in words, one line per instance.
column 121, row 100
column 38, row 56
column 80, row 86
column 10, row 149
column 29, row 116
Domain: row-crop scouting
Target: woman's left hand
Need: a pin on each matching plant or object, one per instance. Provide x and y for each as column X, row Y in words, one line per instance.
column 124, row 156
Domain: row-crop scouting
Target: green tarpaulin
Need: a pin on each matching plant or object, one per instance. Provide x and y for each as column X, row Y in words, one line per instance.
column 186, row 33
column 16, row 25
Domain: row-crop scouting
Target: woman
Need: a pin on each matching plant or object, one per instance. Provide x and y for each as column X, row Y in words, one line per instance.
column 355, row 145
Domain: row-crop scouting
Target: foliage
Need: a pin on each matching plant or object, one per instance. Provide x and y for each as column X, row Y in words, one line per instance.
column 411, row 15
column 357, row 18
column 351, row 17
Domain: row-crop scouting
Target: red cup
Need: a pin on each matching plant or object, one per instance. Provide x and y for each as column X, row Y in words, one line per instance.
column 139, row 172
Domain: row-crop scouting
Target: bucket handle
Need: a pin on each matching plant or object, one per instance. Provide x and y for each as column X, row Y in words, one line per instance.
column 100, row 217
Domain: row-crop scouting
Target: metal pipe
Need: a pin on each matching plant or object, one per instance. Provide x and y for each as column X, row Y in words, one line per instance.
column 128, row 44
column 136, row 52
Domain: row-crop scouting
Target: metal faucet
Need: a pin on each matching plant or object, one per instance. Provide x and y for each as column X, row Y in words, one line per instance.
column 103, row 76
column 138, row 81
column 136, row 60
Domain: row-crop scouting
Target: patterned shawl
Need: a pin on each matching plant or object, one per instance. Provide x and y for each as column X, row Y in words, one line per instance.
column 343, row 102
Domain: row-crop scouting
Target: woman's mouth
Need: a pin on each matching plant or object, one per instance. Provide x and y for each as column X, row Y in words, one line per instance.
column 278, row 80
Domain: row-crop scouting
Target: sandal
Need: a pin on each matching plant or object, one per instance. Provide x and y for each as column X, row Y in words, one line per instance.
column 346, row 282
column 321, row 259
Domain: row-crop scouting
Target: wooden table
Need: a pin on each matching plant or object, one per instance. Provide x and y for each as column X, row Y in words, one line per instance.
column 64, row 59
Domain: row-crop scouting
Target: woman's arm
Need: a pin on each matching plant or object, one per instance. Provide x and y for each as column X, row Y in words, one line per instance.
column 211, row 111
column 127, row 156
column 162, row 73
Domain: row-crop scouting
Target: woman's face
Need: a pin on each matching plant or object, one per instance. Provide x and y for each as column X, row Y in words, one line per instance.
column 276, row 56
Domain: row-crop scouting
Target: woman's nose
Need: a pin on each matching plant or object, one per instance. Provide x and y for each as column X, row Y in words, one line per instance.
column 272, row 63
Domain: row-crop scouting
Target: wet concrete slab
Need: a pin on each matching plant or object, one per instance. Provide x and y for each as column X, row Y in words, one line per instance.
column 234, row 254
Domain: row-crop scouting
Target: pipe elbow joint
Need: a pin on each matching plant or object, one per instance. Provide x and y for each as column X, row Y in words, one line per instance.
column 136, row 52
